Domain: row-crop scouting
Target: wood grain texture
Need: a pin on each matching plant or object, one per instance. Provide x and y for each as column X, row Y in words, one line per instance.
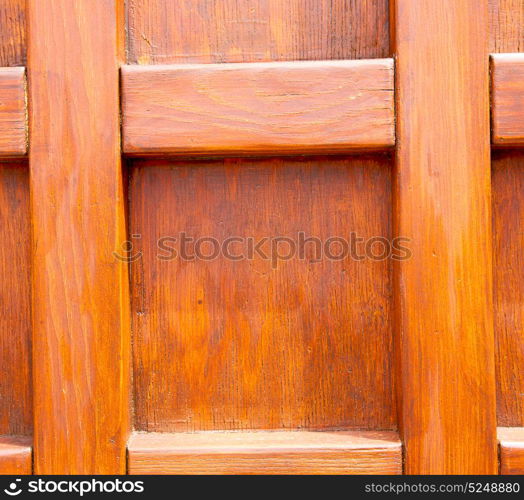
column 80, row 299
column 506, row 25
column 15, row 301
column 266, row 453
column 13, row 125
column 511, row 442
column 229, row 344
column 15, row 455
column 217, row 31
column 278, row 107
column 507, row 99
column 443, row 294
column 13, row 33
column 508, row 260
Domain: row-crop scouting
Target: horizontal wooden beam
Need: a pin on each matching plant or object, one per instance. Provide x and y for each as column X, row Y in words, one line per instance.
column 162, row 106
column 507, row 99
column 13, row 123
column 260, row 108
column 265, row 453
column 15, row 455
column 511, row 440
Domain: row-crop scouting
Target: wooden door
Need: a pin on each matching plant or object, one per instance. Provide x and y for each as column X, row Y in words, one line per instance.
column 256, row 236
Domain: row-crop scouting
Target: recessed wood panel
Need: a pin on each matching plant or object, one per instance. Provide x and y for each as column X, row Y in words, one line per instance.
column 253, row 344
column 279, row 107
column 13, row 33
column 506, row 25
column 508, row 271
column 359, row 452
column 15, row 297
column 215, row 31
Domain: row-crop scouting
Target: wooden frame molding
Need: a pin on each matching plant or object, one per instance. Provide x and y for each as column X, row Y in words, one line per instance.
column 13, row 123
column 507, row 99
column 284, row 357
column 507, row 104
column 80, row 290
column 511, row 442
column 442, row 191
column 267, row 108
column 15, row 455
column 275, row 452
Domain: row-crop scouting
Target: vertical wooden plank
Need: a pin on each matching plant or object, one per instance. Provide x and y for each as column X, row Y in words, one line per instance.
column 442, row 203
column 15, row 301
column 80, row 296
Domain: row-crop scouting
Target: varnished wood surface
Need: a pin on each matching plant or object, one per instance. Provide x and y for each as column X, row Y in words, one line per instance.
column 217, row 31
column 507, row 99
column 80, row 300
column 15, row 301
column 506, row 25
column 15, row 456
column 238, row 344
column 13, row 33
column 258, row 108
column 444, row 317
column 508, row 259
column 511, row 441
column 356, row 452
column 13, row 126
column 78, row 221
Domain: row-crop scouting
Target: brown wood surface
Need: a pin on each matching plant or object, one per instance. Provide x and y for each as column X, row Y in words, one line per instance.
column 12, row 33
column 444, row 320
column 240, row 345
column 266, row 453
column 507, row 99
column 15, row 456
column 506, row 25
column 15, row 301
column 229, row 345
column 13, row 127
column 508, row 260
column 258, row 108
column 215, row 31
column 511, row 441
column 80, row 300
